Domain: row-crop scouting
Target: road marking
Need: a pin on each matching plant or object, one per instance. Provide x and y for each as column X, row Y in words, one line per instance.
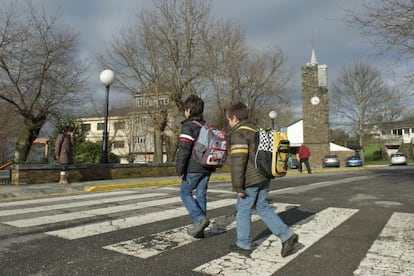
column 317, row 185
column 128, row 222
column 55, row 199
column 265, row 258
column 75, row 204
column 392, row 253
column 218, row 191
column 295, row 189
column 149, row 246
column 90, row 213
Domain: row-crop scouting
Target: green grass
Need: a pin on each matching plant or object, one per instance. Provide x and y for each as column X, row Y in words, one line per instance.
column 377, row 162
column 372, row 153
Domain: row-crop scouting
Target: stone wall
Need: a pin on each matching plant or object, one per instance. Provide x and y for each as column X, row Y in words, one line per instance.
column 23, row 174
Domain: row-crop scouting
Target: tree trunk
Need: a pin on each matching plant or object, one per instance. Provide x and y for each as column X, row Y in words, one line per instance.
column 158, row 154
column 25, row 141
column 171, row 143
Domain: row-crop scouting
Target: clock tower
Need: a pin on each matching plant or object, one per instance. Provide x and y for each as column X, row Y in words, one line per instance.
column 315, row 110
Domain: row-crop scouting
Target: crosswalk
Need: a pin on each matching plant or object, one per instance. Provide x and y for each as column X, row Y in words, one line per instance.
column 392, row 253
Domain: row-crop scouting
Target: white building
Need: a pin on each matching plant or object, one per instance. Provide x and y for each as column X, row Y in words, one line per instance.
column 294, row 132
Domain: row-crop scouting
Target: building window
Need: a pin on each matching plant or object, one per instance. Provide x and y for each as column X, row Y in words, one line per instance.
column 100, row 126
column 119, row 144
column 86, row 127
column 139, row 102
column 119, row 125
column 139, row 139
column 406, row 131
column 163, row 101
column 397, row 131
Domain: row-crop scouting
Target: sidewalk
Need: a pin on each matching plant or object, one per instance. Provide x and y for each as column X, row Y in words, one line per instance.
column 13, row 192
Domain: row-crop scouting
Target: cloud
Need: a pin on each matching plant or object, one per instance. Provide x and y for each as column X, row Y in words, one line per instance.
column 294, row 26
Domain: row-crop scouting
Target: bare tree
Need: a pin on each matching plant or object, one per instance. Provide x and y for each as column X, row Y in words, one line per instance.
column 178, row 49
column 158, row 56
column 389, row 23
column 360, row 97
column 239, row 73
column 39, row 70
column 389, row 26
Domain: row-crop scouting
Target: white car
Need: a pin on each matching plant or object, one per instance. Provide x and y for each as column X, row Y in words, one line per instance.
column 398, row 159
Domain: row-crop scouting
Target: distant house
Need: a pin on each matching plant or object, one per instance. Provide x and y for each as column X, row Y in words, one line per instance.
column 396, row 136
column 130, row 130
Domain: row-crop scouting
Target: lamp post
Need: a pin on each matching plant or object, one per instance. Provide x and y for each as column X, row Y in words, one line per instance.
column 272, row 116
column 107, row 77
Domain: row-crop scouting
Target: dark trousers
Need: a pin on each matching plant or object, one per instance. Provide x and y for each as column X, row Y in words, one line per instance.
column 306, row 161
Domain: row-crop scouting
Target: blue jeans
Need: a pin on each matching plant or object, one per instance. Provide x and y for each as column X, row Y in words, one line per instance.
column 196, row 206
column 256, row 196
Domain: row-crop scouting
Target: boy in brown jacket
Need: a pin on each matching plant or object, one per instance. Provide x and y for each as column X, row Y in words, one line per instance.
column 251, row 186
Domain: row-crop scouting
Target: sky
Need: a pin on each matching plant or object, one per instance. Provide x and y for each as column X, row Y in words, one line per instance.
column 295, row 26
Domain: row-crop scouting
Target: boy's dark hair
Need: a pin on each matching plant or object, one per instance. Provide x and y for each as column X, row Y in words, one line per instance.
column 196, row 106
column 239, row 110
column 67, row 129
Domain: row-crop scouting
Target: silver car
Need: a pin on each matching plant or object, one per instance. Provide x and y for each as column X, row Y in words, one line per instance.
column 331, row 160
column 398, row 158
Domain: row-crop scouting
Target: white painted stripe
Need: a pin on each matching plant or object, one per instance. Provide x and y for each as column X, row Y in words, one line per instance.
column 208, row 190
column 266, row 259
column 392, row 253
column 89, row 213
column 295, row 189
column 149, row 246
column 317, row 185
column 56, row 199
column 75, row 204
column 128, row 222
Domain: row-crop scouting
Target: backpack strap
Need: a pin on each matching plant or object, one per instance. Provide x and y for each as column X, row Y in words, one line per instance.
column 197, row 123
column 248, row 128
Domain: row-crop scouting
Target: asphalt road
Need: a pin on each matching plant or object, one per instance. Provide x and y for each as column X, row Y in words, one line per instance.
column 349, row 223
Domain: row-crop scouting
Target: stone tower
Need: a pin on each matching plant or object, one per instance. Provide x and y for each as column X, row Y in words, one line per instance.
column 315, row 110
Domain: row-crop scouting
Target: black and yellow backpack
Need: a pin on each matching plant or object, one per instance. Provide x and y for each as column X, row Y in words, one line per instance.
column 272, row 152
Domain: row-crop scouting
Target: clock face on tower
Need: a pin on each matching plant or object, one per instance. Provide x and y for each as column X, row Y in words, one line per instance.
column 315, row 100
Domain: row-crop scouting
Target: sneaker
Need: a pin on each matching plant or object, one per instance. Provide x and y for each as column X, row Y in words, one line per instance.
column 235, row 248
column 199, row 235
column 288, row 246
column 198, row 228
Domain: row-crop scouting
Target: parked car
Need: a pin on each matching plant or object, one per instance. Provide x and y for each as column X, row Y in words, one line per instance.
column 398, row 158
column 354, row 161
column 331, row 160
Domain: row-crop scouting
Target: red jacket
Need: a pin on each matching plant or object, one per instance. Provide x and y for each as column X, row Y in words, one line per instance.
column 304, row 152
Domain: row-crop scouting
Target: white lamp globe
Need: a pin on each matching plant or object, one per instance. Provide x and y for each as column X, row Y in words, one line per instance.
column 272, row 114
column 107, row 77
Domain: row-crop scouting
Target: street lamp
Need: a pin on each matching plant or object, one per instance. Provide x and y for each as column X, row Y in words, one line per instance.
column 107, row 77
column 272, row 116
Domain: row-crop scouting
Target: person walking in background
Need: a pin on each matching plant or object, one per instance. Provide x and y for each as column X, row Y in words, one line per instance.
column 251, row 186
column 304, row 154
column 193, row 175
column 64, row 152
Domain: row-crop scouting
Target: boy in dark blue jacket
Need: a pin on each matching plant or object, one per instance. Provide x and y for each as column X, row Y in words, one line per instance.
column 194, row 176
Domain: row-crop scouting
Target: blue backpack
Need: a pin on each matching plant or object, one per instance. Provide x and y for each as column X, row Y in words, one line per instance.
column 211, row 147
